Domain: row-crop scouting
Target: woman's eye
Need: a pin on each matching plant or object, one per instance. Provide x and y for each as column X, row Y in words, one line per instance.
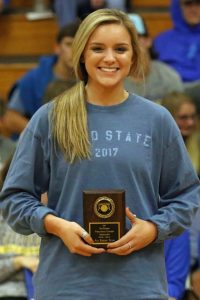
column 97, row 49
column 121, row 49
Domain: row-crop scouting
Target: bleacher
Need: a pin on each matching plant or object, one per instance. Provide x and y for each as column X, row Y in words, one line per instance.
column 23, row 41
column 147, row 4
column 155, row 13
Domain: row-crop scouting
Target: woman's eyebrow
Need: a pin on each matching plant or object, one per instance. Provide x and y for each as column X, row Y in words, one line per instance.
column 117, row 44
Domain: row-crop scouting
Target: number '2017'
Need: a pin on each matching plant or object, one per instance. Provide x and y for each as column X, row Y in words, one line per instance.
column 106, row 152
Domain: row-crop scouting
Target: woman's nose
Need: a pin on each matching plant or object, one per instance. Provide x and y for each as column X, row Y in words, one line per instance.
column 109, row 55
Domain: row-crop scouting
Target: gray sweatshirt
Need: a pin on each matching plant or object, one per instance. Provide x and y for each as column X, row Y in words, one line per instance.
column 136, row 146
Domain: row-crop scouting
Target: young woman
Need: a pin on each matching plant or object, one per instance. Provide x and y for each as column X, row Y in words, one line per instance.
column 97, row 136
column 184, row 111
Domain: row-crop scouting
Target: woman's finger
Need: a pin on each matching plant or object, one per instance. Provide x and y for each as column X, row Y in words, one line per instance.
column 123, row 250
column 86, row 237
column 132, row 217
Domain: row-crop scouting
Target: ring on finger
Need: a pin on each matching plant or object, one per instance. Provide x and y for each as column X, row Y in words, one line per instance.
column 84, row 234
column 130, row 245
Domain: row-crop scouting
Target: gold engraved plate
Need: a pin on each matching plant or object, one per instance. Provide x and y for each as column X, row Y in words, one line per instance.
column 104, row 215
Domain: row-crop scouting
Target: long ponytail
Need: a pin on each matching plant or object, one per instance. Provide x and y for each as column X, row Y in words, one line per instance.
column 70, row 128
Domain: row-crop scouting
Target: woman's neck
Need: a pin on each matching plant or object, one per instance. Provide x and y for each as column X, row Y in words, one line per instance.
column 105, row 97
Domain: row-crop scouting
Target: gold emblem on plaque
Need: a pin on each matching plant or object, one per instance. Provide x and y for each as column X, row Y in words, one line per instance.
column 104, row 207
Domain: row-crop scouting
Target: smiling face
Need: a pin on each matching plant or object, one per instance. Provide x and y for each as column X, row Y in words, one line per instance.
column 186, row 118
column 108, row 56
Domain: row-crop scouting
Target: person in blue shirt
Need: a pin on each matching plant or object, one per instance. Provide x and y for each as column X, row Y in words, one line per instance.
column 97, row 136
column 180, row 46
column 26, row 96
column 177, row 259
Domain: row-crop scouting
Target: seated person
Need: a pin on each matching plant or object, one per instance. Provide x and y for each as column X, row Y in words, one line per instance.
column 177, row 260
column 180, row 47
column 184, row 112
column 27, row 94
column 159, row 79
column 56, row 88
column 17, row 253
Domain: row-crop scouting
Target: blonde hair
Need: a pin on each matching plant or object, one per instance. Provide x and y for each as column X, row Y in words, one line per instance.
column 69, row 115
column 173, row 102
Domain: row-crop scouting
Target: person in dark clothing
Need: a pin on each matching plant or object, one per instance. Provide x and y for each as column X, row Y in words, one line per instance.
column 88, row 6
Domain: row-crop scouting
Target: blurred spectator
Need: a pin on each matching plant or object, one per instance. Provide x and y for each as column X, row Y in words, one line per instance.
column 159, row 78
column 17, row 252
column 4, row 5
column 66, row 11
column 27, row 94
column 193, row 91
column 55, row 88
column 180, row 46
column 7, row 147
column 123, row 5
column 88, row 6
column 177, row 260
column 184, row 112
column 3, row 129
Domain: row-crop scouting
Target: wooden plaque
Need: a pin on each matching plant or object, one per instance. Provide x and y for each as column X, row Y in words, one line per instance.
column 104, row 215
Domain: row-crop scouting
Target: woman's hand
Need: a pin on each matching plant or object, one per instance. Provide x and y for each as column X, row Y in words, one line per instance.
column 139, row 236
column 75, row 238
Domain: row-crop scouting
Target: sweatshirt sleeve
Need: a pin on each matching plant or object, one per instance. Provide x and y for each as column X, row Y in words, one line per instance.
column 27, row 179
column 179, row 187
